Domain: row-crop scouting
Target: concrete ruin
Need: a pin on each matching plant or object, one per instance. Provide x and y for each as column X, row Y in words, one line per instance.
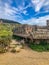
column 34, row 32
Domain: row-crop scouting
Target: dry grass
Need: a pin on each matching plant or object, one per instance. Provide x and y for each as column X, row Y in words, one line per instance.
column 25, row 57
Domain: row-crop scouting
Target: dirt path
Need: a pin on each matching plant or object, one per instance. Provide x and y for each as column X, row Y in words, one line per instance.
column 25, row 57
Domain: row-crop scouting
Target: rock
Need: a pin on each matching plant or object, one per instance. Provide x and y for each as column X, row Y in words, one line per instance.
column 22, row 42
column 12, row 46
column 17, row 49
column 20, row 46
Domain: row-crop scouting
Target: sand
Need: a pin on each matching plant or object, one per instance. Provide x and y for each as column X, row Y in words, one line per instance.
column 25, row 57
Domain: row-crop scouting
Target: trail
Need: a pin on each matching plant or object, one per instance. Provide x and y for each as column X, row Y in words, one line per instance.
column 25, row 57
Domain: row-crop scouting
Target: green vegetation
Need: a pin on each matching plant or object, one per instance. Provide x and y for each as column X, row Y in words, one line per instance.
column 5, row 31
column 42, row 46
column 9, row 21
column 13, row 50
column 17, row 37
column 5, row 37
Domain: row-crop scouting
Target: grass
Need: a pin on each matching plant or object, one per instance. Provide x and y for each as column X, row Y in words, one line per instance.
column 39, row 47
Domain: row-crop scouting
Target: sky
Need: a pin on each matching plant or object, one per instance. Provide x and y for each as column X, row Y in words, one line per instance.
column 33, row 12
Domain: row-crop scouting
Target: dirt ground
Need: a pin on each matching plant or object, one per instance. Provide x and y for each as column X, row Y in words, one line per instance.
column 25, row 57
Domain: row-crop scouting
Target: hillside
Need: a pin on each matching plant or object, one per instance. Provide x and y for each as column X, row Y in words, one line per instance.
column 8, row 21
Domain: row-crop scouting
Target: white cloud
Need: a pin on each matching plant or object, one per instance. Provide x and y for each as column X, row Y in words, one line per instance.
column 22, row 8
column 9, row 12
column 46, row 3
column 34, row 21
column 38, row 4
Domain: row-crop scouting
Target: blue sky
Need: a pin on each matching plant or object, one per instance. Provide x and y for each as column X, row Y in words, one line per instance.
column 34, row 12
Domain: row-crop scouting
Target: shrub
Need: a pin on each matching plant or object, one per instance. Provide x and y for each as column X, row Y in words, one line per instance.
column 43, row 42
column 5, row 37
column 43, row 46
column 13, row 50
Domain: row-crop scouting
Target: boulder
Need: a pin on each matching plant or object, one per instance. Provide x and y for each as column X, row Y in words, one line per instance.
column 17, row 49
